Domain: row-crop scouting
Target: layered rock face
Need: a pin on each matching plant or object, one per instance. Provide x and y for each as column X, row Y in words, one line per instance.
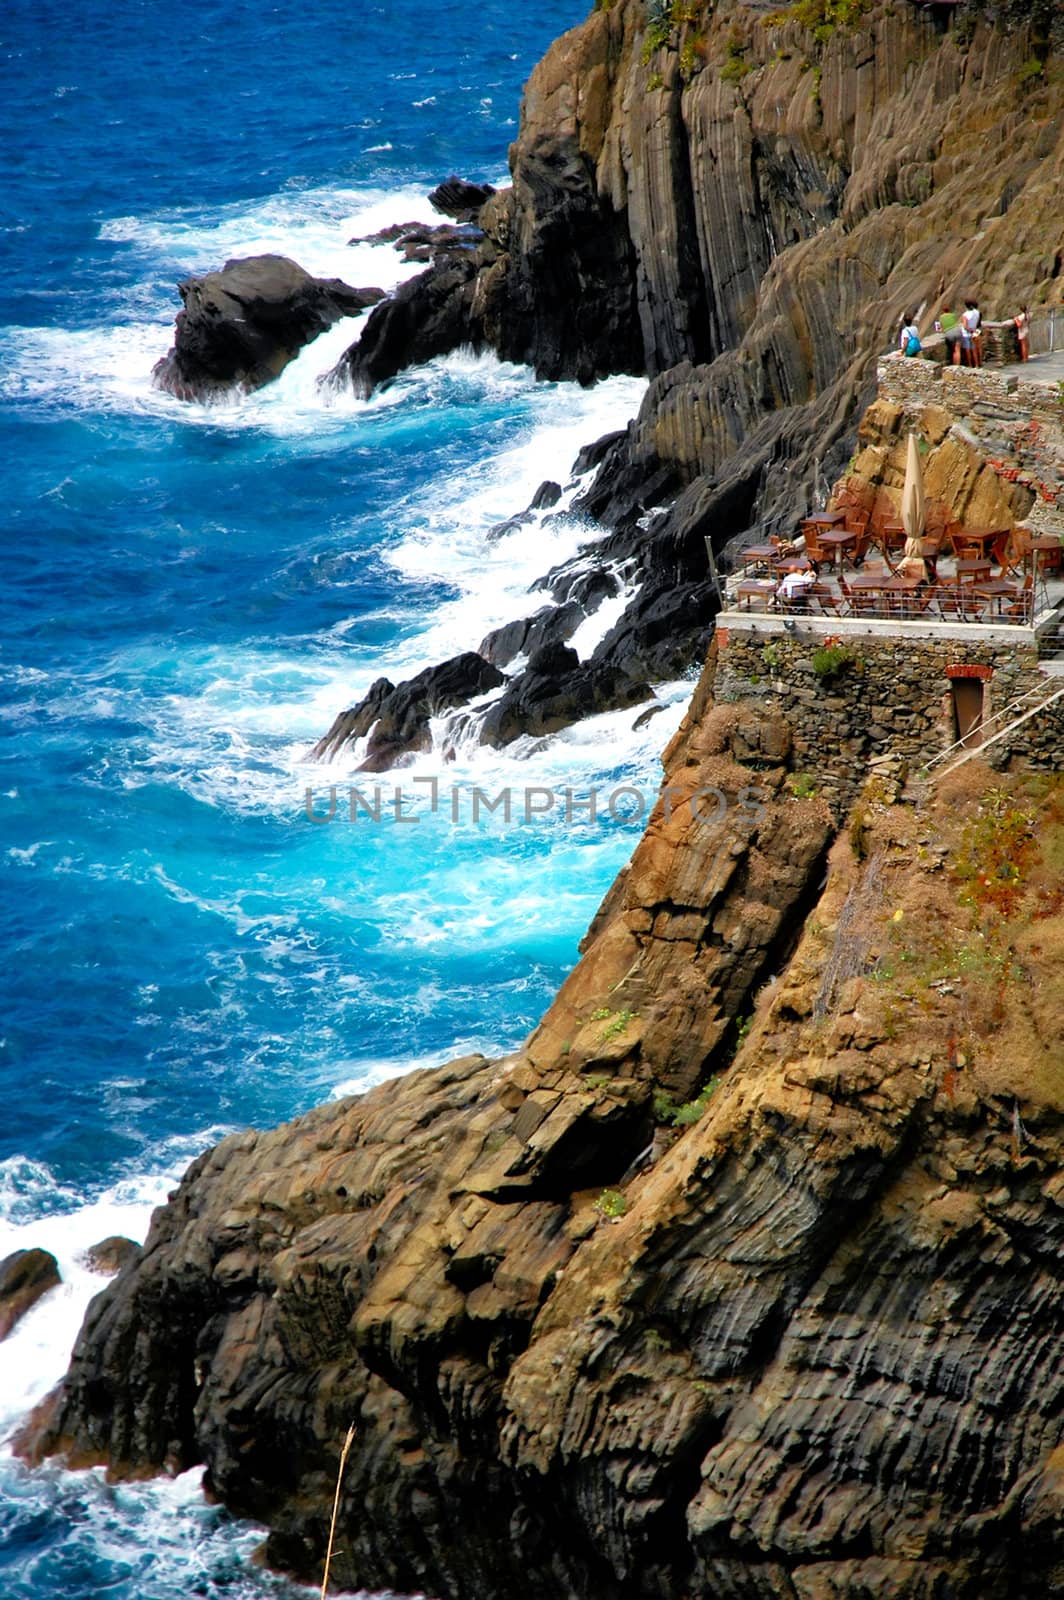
column 744, row 208
column 241, row 326
column 664, row 1304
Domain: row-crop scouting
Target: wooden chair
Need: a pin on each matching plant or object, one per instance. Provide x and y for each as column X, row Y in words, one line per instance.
column 966, row 549
column 813, row 548
column 826, row 598
column 1022, row 608
column 961, row 605
column 861, row 602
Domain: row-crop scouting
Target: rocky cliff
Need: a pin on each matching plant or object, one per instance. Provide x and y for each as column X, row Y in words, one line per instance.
column 741, row 1278
column 742, row 201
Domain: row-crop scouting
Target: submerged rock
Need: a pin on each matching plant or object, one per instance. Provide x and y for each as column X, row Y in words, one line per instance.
column 241, row 326
column 25, row 1276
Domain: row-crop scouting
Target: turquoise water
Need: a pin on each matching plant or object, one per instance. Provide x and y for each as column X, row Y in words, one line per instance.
column 189, row 597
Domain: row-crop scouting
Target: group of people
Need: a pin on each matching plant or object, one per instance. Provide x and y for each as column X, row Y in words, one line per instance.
column 963, row 334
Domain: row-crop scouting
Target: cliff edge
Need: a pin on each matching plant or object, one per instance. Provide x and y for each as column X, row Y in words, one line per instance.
column 741, row 1278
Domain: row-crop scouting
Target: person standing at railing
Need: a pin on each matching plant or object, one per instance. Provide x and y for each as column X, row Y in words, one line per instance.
column 1023, row 332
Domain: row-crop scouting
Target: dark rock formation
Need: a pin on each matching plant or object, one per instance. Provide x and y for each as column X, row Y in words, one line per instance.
column 396, row 716
column 460, row 199
column 556, row 690
column 419, row 241
column 240, row 327
column 24, row 1277
column 549, row 625
column 427, row 316
column 798, row 1339
column 110, row 1255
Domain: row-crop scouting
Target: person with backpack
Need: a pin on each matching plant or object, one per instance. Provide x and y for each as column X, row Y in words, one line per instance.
column 909, row 338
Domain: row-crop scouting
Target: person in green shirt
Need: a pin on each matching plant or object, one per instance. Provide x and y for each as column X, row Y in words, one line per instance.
column 949, row 325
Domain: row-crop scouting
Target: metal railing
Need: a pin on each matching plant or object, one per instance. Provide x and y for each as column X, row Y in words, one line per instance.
column 1027, row 705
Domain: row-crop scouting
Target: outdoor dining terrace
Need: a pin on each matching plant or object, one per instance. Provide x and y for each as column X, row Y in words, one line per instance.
column 849, row 567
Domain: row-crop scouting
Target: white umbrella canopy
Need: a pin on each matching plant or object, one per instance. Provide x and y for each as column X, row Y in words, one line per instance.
column 913, row 507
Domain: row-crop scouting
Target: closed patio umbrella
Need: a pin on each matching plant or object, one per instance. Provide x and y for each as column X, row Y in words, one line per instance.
column 913, row 508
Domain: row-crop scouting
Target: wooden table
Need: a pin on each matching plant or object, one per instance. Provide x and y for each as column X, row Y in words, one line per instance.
column 972, row 570
column 997, row 590
column 758, row 555
column 979, row 538
column 824, row 519
column 792, row 564
column 749, row 589
column 838, row 539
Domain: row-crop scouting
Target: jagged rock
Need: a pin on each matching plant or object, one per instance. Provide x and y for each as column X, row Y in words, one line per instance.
column 111, row 1254
column 592, row 455
column 241, row 326
column 396, row 716
column 549, row 625
column 660, row 632
column 426, row 316
column 458, row 198
column 548, row 494
column 437, row 238
column 25, row 1276
column 555, row 691
column 394, row 233
column 502, row 530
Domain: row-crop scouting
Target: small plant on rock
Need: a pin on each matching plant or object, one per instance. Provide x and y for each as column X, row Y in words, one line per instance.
column 694, row 1110
column 832, row 658
column 611, row 1205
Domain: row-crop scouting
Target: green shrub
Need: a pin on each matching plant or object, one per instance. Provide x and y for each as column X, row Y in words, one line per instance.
column 611, row 1204
column 694, row 1109
column 831, row 659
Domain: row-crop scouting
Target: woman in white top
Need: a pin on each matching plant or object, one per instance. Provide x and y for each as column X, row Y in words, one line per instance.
column 971, row 341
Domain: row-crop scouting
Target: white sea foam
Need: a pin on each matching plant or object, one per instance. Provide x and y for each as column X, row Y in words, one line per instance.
column 36, row 1212
column 310, row 225
column 110, row 365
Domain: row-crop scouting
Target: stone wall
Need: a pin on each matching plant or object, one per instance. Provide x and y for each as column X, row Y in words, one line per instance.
column 1015, row 424
column 891, row 697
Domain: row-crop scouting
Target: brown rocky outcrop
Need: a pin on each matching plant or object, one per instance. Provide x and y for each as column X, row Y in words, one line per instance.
column 665, row 1303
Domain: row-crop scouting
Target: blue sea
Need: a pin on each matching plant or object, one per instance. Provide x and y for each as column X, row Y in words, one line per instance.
column 189, row 596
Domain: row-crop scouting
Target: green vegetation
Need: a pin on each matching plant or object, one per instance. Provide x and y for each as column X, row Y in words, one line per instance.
column 803, row 786
column 831, row 659
column 823, row 17
column 994, row 855
column 615, row 1025
column 736, row 67
column 692, row 1112
column 611, row 1204
column 663, row 18
column 667, row 1112
column 691, row 56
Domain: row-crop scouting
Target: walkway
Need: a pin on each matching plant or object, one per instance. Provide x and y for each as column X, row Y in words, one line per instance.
column 1040, row 369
